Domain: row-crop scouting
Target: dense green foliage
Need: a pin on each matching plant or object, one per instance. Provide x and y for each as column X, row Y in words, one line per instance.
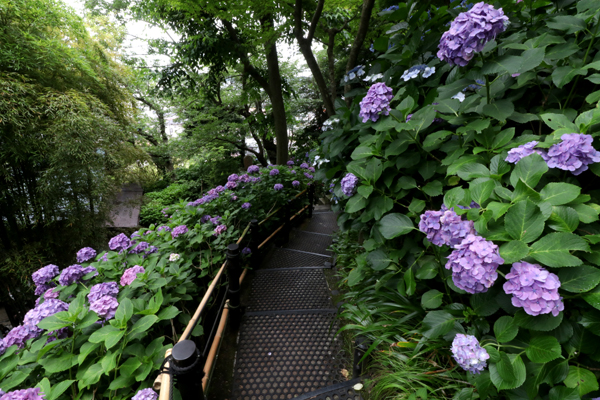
column 537, row 82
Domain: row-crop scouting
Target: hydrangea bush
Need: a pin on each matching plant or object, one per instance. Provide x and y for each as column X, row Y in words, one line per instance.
column 100, row 328
column 508, row 118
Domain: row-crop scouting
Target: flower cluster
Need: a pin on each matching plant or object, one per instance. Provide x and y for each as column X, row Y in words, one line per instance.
column 291, row 162
column 445, row 227
column 105, row 307
column 74, row 273
column 219, row 230
column 130, row 274
column 119, row 242
column 349, row 183
column 309, row 176
column 43, row 277
column 246, row 251
column 524, row 150
column 473, row 263
column 274, row 172
column 414, row 72
column 145, row 394
column 231, row 185
column 376, row 102
column 51, row 293
column 174, row 257
column 19, row 335
column 469, row 354
column 47, row 308
column 278, row 186
column 469, row 33
column 326, row 126
column 295, row 183
column 574, row 153
column 304, row 165
column 355, row 72
column 179, row 230
column 103, row 289
column 246, row 206
column 85, row 254
column 373, row 78
column 253, row 169
column 534, row 289
column 25, row 394
column 163, row 228
column 140, row 248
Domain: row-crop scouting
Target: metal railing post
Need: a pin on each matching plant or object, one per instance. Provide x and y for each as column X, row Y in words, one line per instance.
column 311, row 199
column 188, row 368
column 233, row 274
column 255, row 258
column 360, row 347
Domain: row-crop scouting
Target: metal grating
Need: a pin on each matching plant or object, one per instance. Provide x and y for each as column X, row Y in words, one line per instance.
column 309, row 241
column 340, row 391
column 325, row 222
column 289, row 290
column 283, row 356
column 286, row 258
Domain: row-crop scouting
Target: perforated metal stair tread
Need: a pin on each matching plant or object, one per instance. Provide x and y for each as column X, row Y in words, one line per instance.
column 289, row 290
column 284, row 356
column 338, row 391
column 288, row 258
column 325, row 222
column 307, row 241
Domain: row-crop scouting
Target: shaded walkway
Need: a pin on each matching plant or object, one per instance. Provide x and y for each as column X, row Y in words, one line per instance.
column 287, row 346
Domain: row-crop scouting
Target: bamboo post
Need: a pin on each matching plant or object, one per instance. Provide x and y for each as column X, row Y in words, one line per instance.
column 162, row 383
column 255, row 258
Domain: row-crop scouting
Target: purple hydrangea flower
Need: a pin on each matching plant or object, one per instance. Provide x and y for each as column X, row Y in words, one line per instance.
column 304, row 165
column 534, row 289
column 309, row 176
column 253, row 169
column 104, row 257
column 85, row 254
column 245, row 178
column 473, row 263
column 377, row 101
column 119, row 242
column 151, row 250
column 255, row 179
column 295, row 183
column 103, row 289
column 231, row 185
column 47, row 308
column 290, row 163
column 246, row 206
column 469, row 33
column 215, row 220
column 130, row 274
column 219, row 230
column 19, row 335
column 292, row 171
column 39, row 290
column 179, row 230
column 140, row 248
column 205, row 219
column 44, row 274
column 445, row 227
column 48, row 294
column 469, row 354
column 349, row 183
column 233, row 178
column 524, row 150
column 278, row 186
column 246, row 251
column 105, row 307
column 2, row 392
column 73, row 274
column 163, row 228
column 574, row 153
column 220, row 189
column 145, row 394
column 274, row 172
column 24, row 394
column 2, row 350
column 234, row 198
column 311, row 169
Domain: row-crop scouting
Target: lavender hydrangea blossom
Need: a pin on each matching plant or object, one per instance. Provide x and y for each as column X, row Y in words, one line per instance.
column 253, row 169
column 19, row 335
column 534, row 289
column 2, row 350
column 469, row 354
column 376, row 102
column 295, row 183
column 2, row 392
column 105, row 307
column 104, row 257
column 85, row 254
column 574, row 153
column 51, row 293
column 73, row 273
column 309, row 176
column 47, row 308
column 44, row 274
column 163, row 228
column 246, row 251
column 515, row 155
column 469, row 33
column 290, row 163
column 231, row 185
column 473, row 263
column 445, row 227
column 304, row 165
column 119, row 242
column 246, row 206
column 25, row 394
column 140, row 248
column 145, row 394
column 219, row 230
column 179, row 230
column 151, row 250
column 130, row 274
column 215, row 220
column 349, row 183
column 103, row 289
column 278, row 186
column 233, row 178
column 274, row 172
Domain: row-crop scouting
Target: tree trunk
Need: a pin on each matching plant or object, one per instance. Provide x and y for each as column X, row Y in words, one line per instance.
column 363, row 27
column 331, row 61
column 276, row 95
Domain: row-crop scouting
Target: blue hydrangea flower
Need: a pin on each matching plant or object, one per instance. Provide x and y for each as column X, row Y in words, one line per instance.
column 19, row 335
column 140, row 248
column 219, row 230
column 469, row 354
column 295, row 183
column 179, row 230
column 376, row 102
column 534, row 289
column 274, row 172
column 231, row 185
column 474, row 263
column 349, row 183
column 233, row 178
column 574, row 153
column 469, row 33
column 524, row 150
column 245, row 251
column 85, row 254
column 145, row 394
column 103, row 289
column 246, row 206
column 119, row 242
column 44, row 274
column 415, row 70
column 445, row 227
column 278, row 186
column 253, row 169
column 73, row 273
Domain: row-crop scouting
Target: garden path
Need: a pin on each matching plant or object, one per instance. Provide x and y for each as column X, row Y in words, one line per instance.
column 287, row 345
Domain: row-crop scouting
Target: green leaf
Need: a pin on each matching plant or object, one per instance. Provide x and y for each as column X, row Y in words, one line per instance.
column 365, row 191
column 593, row 298
column 543, row 323
column 472, row 171
column 563, row 219
column 409, row 282
column 510, row 366
column 85, row 351
column 14, row 380
column 168, row 313
column 356, row 203
column 437, row 323
column 90, row 376
column 513, row 251
column 553, row 249
column 558, row 121
column 102, row 334
column 373, row 169
column 58, row 364
column 530, row 170
column 59, row 389
column 524, row 221
column 143, row 324
column 394, row 225
column 396, row 148
column 378, row 260
column 121, row 382
column 503, row 64
column 499, row 109
column 485, row 304
column 560, row 193
column 454, row 196
column 433, row 188
column 498, row 209
column 362, row 152
column 532, row 58
column 56, row 321
column 90, row 318
column 481, row 191
column 543, row 349
column 585, row 213
column 563, row 393
column 579, row 279
column 503, row 138
column 432, row 299
column 406, row 182
column 505, row 329
column 124, row 311
column 415, row 206
column 567, row 23
column 581, row 379
column 130, row 366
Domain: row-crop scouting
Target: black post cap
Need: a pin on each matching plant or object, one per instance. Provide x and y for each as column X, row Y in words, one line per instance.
column 184, row 353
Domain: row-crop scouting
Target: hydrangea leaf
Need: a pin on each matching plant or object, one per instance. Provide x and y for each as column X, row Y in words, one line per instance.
column 591, row 321
column 168, row 313
column 485, row 304
column 593, row 298
column 563, row 393
column 558, row 193
column 582, row 379
column 124, row 311
column 415, row 206
column 394, row 225
column 505, row 329
column 356, row 203
column 501, row 65
column 484, row 384
column 563, row 219
column 530, row 170
column 503, row 138
column 15, row 379
column 432, row 299
column 567, row 23
column 378, row 259
column 513, row 251
column 143, row 324
column 554, row 249
column 543, row 349
column 481, row 191
column 365, row 190
column 454, row 196
column 557, row 371
column 543, row 323
column 579, row 279
column 523, row 192
column 406, row 182
column 54, row 322
column 437, row 323
column 531, row 58
column 433, row 188
column 89, row 376
column 524, row 221
column 498, row 209
column 54, row 364
column 362, row 152
column 586, row 214
column 472, row 171
column 499, row 109
column 509, row 373
column 396, row 148
column 373, row 169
